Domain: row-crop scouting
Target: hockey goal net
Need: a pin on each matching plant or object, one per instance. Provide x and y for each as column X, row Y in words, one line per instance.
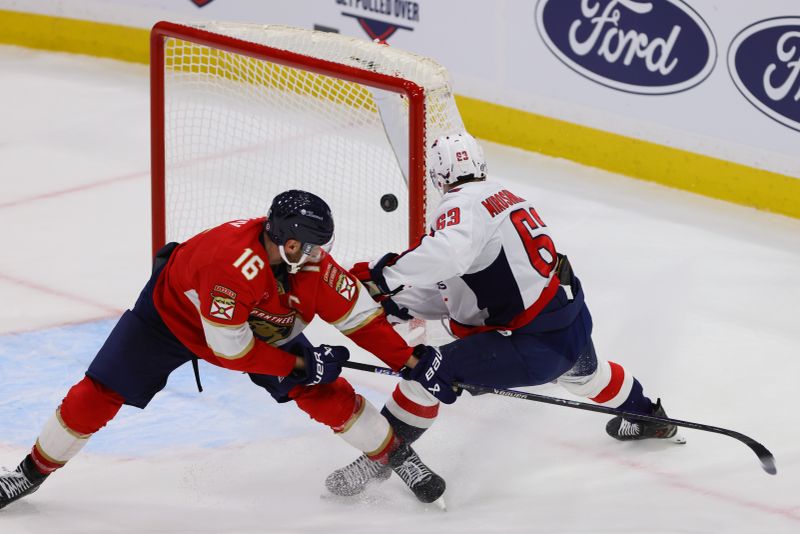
column 241, row 112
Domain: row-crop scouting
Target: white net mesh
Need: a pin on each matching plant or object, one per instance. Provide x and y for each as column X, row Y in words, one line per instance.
column 240, row 130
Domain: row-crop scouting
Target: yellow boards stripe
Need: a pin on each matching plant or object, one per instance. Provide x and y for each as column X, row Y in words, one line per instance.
column 132, row 44
column 76, row 36
column 632, row 157
column 644, row 160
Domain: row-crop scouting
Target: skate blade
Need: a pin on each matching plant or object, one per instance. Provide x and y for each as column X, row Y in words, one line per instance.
column 440, row 504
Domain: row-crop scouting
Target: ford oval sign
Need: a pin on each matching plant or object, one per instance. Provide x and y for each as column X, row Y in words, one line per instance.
column 638, row 46
column 764, row 62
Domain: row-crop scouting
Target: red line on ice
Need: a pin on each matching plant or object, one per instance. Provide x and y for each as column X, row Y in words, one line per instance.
column 142, row 174
column 674, row 480
column 76, row 189
column 61, row 294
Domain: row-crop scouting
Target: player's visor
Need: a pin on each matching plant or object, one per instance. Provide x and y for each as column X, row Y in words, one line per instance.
column 315, row 252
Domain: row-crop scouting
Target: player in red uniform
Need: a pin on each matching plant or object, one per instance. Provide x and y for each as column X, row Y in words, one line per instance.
column 239, row 296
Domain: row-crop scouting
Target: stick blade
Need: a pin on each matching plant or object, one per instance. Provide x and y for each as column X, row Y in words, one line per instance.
column 768, row 463
column 764, row 456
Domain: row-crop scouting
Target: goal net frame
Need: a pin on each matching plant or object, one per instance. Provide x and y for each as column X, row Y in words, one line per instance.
column 413, row 92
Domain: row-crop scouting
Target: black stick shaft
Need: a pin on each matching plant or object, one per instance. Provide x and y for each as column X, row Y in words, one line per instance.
column 764, row 455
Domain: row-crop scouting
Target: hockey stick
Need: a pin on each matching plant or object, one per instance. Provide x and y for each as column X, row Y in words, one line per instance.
column 765, row 457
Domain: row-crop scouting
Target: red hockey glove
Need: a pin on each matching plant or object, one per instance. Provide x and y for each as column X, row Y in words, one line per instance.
column 371, row 275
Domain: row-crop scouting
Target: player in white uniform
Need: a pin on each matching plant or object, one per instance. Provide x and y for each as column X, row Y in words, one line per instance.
column 490, row 264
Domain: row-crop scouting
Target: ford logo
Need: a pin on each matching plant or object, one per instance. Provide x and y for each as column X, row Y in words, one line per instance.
column 764, row 63
column 645, row 47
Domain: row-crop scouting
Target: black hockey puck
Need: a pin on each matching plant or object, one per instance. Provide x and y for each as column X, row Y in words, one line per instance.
column 389, row 202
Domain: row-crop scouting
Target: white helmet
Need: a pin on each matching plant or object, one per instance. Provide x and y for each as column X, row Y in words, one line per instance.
column 454, row 157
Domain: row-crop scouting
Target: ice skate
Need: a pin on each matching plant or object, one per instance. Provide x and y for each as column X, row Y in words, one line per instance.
column 22, row 481
column 426, row 485
column 625, row 429
column 355, row 477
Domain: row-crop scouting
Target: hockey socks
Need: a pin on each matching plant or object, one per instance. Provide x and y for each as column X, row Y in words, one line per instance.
column 609, row 385
column 87, row 408
column 368, row 431
column 411, row 410
column 57, row 444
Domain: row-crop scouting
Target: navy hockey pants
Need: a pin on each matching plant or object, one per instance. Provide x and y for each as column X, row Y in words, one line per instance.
column 141, row 352
column 524, row 357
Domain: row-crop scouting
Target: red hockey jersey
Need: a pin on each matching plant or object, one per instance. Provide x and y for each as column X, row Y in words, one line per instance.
column 220, row 298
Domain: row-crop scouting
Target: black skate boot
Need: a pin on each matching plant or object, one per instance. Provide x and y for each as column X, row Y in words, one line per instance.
column 22, row 481
column 426, row 485
column 354, row 478
column 631, row 429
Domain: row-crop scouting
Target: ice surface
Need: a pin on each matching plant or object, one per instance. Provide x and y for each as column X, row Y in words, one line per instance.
column 696, row 297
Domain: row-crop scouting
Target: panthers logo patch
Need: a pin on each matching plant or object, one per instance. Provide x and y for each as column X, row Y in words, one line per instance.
column 270, row 327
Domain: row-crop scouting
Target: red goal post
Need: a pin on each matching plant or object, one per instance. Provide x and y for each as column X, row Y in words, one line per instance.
column 241, row 112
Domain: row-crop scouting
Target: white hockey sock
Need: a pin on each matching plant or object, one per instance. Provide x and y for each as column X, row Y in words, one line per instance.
column 367, row 430
column 413, row 405
column 609, row 385
column 57, row 444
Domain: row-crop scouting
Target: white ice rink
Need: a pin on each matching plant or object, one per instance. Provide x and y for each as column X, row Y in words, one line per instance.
column 699, row 299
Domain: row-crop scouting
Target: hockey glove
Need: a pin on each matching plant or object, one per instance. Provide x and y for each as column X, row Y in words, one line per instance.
column 394, row 313
column 371, row 275
column 432, row 373
column 323, row 363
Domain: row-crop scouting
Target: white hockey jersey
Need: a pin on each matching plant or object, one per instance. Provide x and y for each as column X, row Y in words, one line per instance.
column 488, row 263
